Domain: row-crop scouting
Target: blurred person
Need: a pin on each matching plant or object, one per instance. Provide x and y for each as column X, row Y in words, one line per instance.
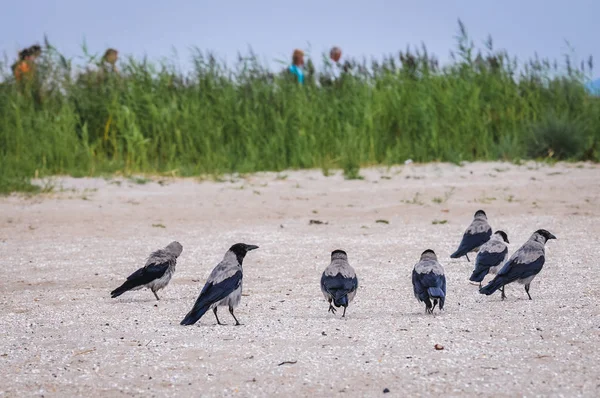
column 25, row 66
column 336, row 70
column 27, row 75
column 35, row 50
column 21, row 67
column 334, row 55
column 110, row 57
column 593, row 88
column 106, row 67
column 297, row 66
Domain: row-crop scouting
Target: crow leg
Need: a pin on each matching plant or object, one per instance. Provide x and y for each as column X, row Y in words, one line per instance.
column 331, row 308
column 527, row 290
column 467, row 255
column 215, row 312
column 434, row 304
column 344, row 314
column 237, row 323
column 155, row 295
column 428, row 309
column 503, row 295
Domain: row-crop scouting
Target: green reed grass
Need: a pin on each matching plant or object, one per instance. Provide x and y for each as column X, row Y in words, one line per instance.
column 216, row 119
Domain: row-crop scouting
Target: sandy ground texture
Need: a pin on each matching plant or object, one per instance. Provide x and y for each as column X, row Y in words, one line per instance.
column 61, row 253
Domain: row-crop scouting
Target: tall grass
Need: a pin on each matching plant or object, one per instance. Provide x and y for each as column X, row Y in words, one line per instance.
column 219, row 118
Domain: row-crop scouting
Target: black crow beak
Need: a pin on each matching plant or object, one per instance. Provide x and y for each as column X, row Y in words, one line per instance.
column 551, row 236
column 251, row 247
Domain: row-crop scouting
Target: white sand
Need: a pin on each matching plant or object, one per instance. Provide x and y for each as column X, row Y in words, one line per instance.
column 62, row 253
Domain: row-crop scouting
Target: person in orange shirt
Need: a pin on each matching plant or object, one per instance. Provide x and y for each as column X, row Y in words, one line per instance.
column 21, row 67
column 27, row 76
column 26, row 64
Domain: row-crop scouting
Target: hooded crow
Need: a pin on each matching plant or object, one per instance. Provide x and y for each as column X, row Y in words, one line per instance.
column 491, row 257
column 476, row 235
column 223, row 287
column 429, row 281
column 523, row 265
column 156, row 274
column 339, row 282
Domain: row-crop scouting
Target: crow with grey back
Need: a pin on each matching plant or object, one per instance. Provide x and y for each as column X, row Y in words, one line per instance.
column 339, row 282
column 429, row 281
column 223, row 287
column 491, row 257
column 523, row 265
column 476, row 235
column 156, row 274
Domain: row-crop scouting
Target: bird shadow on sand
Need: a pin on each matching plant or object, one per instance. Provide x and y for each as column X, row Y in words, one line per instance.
column 424, row 315
column 149, row 300
column 215, row 325
column 356, row 316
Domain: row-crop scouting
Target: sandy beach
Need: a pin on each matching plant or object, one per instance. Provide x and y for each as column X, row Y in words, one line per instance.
column 62, row 252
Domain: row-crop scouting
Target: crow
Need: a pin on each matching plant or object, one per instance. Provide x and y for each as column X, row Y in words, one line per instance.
column 156, row 274
column 491, row 257
column 429, row 281
column 476, row 235
column 223, row 287
column 523, row 265
column 339, row 282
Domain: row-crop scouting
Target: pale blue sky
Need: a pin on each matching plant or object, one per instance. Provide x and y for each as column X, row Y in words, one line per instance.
column 274, row 28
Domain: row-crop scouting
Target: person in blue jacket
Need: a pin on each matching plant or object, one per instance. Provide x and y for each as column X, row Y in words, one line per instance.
column 297, row 66
column 593, row 87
